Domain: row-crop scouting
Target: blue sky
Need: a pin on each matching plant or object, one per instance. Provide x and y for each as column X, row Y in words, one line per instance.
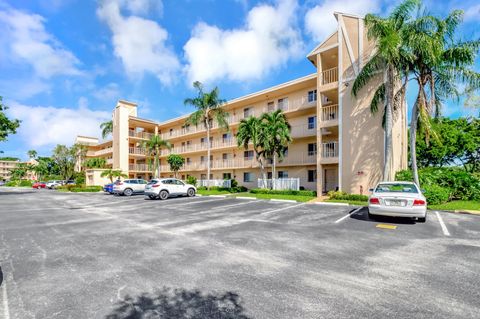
column 65, row 63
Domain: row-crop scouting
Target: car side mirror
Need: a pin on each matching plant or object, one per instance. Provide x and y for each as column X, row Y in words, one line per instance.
column 370, row 190
column 423, row 190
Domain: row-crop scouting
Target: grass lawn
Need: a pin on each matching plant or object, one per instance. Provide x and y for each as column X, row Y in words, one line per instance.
column 298, row 198
column 212, row 192
column 351, row 202
column 458, row 205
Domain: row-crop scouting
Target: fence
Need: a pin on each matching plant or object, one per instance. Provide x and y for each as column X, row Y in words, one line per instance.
column 280, row 183
column 227, row 183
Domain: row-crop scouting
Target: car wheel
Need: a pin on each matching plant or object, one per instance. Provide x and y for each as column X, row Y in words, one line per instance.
column 163, row 194
column 191, row 192
column 422, row 219
column 152, row 196
column 128, row 192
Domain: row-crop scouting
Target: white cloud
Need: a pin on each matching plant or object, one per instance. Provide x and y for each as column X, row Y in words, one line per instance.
column 26, row 40
column 48, row 125
column 107, row 93
column 268, row 40
column 140, row 43
column 320, row 21
column 472, row 13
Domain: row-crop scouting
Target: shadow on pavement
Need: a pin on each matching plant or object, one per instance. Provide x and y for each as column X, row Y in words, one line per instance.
column 363, row 216
column 19, row 192
column 180, row 304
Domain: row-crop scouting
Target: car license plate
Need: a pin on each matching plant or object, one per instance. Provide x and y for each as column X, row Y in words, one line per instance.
column 395, row 202
column 148, row 187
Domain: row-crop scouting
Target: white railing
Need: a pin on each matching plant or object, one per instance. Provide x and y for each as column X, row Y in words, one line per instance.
column 330, row 112
column 139, row 167
column 226, row 183
column 299, row 159
column 329, row 76
column 143, row 135
column 104, row 151
column 280, row 183
column 330, row 149
column 137, row 150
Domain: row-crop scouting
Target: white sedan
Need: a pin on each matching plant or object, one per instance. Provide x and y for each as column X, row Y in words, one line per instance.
column 165, row 187
column 398, row 199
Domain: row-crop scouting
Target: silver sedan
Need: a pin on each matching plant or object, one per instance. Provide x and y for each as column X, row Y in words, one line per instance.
column 398, row 199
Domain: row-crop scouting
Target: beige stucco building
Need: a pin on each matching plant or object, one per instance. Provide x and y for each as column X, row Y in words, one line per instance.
column 337, row 142
column 7, row 166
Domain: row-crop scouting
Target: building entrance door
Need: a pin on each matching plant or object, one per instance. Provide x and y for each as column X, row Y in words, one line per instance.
column 330, row 179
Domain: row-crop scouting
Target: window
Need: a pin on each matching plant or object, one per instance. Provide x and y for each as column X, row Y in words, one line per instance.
column 203, row 176
column 248, row 177
column 202, row 140
column 226, row 137
column 202, row 159
column 312, row 176
column 142, row 181
column 132, row 181
column 225, row 156
column 178, row 182
column 312, row 149
column 271, row 106
column 269, row 175
column 282, row 103
column 282, row 174
column 312, row 96
column 248, row 155
column 189, row 160
column 247, row 112
column 227, row 176
column 171, row 131
column 312, row 122
column 285, row 152
column 183, row 177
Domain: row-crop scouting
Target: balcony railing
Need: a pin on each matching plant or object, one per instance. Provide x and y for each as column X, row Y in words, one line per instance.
column 139, row 168
column 330, row 112
column 329, row 76
column 330, row 149
column 142, row 135
column 303, row 130
column 99, row 152
column 137, row 150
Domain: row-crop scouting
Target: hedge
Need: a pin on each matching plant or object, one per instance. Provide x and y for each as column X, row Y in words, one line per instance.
column 344, row 196
column 80, row 188
column 22, row 183
column 283, row 192
column 236, row 189
column 436, row 194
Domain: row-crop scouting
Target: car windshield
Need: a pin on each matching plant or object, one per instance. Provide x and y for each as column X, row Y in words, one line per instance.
column 153, row 181
column 396, row 188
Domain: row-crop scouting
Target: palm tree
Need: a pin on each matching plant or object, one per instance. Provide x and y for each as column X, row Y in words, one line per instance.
column 32, row 154
column 391, row 60
column 111, row 173
column 107, row 128
column 209, row 107
column 276, row 137
column 154, row 147
column 252, row 130
column 441, row 62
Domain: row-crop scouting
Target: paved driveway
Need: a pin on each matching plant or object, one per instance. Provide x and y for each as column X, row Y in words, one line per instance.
column 100, row 256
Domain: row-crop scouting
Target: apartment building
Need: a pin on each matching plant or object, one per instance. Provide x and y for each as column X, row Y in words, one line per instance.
column 7, row 166
column 337, row 142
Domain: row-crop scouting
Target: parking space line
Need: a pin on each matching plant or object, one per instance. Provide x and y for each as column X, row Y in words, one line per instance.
column 6, row 310
column 283, row 208
column 348, row 215
column 442, row 224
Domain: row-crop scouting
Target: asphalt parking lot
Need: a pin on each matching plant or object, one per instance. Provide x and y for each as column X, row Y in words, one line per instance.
column 100, row 256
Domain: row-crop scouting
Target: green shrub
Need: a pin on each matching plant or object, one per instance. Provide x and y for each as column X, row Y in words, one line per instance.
column 25, row 183
column 234, row 183
column 11, row 183
column 79, row 178
column 191, row 180
column 344, row 196
column 283, row 192
column 86, row 189
column 436, row 194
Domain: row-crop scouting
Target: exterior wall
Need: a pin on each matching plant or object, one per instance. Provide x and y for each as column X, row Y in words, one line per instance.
column 7, row 166
column 121, row 115
column 93, row 178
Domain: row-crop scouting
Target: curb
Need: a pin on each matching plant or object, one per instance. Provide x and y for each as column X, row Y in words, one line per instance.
column 332, row 204
column 244, row 197
column 219, row 196
column 284, row 200
column 469, row 212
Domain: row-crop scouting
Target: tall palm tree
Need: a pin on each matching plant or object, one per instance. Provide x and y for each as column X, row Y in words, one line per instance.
column 32, row 154
column 441, row 62
column 390, row 60
column 252, row 130
column 154, row 147
column 276, row 137
column 209, row 108
column 107, row 128
column 111, row 173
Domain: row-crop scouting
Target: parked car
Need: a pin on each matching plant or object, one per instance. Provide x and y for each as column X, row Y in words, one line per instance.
column 70, row 182
column 165, row 187
column 39, row 185
column 53, row 184
column 2, row 183
column 108, row 188
column 398, row 199
column 129, row 187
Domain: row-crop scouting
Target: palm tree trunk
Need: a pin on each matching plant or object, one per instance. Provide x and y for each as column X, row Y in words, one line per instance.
column 413, row 141
column 388, row 124
column 207, row 124
column 273, row 170
column 157, row 155
column 262, row 170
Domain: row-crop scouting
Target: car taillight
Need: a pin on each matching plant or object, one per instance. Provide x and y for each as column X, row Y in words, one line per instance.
column 374, row 201
column 419, row 202
column 119, row 183
column 156, row 185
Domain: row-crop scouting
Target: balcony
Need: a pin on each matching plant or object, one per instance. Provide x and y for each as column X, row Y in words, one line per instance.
column 329, row 115
column 99, row 152
column 329, row 76
column 138, row 168
column 330, row 152
column 198, row 147
column 305, row 130
column 140, row 135
column 137, row 151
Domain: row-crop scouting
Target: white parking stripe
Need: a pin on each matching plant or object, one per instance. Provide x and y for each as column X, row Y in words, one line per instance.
column 349, row 214
column 283, row 208
column 6, row 310
column 442, row 224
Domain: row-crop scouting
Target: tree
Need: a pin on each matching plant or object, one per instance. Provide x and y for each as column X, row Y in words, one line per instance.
column 209, row 108
column 32, row 154
column 20, row 171
column 176, row 162
column 390, row 59
column 7, row 126
column 440, row 63
column 46, row 167
column 154, row 147
column 276, row 137
column 65, row 157
column 96, row 162
column 107, row 128
column 112, row 173
column 252, row 130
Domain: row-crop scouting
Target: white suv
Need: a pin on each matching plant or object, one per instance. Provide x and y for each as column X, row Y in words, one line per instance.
column 53, row 184
column 165, row 187
column 129, row 187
